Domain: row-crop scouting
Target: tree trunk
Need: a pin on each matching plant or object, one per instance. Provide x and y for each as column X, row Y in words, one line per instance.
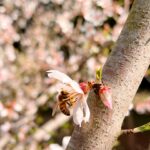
column 122, row 72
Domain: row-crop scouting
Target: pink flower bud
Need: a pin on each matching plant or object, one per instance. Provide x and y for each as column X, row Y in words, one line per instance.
column 105, row 95
column 84, row 86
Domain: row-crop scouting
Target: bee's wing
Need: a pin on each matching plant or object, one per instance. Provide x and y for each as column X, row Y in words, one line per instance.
column 55, row 108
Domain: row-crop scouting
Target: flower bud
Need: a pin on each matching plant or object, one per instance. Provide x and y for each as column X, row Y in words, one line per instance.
column 84, row 86
column 105, row 95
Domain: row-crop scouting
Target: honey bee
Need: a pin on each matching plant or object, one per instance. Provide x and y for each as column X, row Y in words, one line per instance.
column 65, row 101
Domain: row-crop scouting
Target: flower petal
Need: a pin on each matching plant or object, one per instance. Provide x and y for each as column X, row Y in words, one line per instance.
column 76, row 87
column 106, row 99
column 84, row 87
column 86, row 110
column 78, row 113
column 59, row 76
column 65, row 79
column 106, row 96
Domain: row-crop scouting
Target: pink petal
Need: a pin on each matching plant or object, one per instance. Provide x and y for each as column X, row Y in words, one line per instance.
column 106, row 99
column 84, row 87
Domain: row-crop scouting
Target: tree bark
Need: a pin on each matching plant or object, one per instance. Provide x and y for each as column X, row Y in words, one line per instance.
column 122, row 72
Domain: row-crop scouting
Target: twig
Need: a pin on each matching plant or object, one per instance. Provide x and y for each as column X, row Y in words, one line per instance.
column 143, row 128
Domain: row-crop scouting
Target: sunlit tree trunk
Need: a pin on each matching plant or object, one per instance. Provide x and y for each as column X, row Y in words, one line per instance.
column 123, row 72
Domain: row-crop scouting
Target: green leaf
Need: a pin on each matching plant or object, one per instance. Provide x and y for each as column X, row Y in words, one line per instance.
column 99, row 74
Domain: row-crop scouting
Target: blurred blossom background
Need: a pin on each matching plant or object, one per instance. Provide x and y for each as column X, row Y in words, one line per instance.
column 73, row 36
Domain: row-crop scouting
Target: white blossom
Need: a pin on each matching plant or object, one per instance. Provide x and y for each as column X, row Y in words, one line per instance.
column 81, row 110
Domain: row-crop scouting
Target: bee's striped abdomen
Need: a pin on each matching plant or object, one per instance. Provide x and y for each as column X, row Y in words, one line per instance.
column 64, row 109
column 65, row 101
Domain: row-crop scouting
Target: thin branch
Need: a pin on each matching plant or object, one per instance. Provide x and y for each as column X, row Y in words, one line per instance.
column 143, row 128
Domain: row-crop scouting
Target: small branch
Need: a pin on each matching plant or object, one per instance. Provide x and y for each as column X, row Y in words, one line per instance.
column 126, row 131
column 143, row 128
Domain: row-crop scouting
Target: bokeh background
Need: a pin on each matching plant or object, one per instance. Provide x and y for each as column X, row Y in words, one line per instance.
column 73, row 36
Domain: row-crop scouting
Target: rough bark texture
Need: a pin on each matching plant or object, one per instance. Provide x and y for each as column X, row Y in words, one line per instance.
column 123, row 72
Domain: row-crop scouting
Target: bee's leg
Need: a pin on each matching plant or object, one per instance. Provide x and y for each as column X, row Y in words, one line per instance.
column 73, row 102
column 55, row 108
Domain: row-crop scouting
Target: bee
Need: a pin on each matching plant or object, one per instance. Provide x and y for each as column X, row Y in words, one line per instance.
column 65, row 101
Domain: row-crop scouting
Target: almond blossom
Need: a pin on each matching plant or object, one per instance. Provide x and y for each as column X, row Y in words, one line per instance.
column 81, row 110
